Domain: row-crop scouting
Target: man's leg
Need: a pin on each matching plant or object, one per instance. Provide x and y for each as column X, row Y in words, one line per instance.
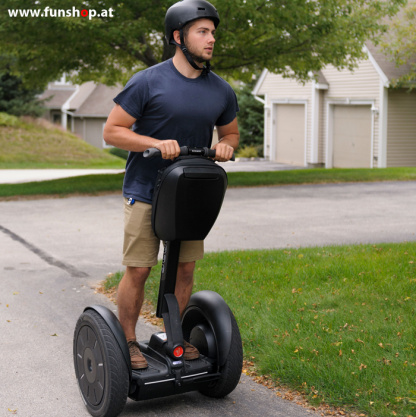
column 183, row 291
column 130, row 297
column 184, row 284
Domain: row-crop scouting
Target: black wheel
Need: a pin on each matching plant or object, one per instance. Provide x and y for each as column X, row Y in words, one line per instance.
column 100, row 368
column 202, row 335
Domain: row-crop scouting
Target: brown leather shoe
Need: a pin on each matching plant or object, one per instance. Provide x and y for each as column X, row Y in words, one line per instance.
column 191, row 352
column 137, row 359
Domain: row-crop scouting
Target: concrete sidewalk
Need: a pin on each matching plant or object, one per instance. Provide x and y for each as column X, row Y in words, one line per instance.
column 14, row 176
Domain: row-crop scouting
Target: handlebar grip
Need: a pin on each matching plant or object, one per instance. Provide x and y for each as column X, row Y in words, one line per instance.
column 210, row 153
column 152, row 153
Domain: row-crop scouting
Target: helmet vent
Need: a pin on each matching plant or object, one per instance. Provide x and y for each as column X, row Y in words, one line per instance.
column 201, row 8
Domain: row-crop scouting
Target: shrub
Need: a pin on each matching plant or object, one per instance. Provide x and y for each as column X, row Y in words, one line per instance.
column 121, row 153
column 248, row 151
column 8, row 119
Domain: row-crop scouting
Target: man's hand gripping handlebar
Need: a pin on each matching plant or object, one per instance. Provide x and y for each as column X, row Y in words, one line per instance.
column 185, row 151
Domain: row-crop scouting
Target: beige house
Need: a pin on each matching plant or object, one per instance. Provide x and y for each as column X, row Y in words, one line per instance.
column 82, row 109
column 344, row 119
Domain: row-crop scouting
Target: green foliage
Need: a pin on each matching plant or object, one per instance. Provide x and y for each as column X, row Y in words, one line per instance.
column 400, row 44
column 250, row 118
column 247, row 151
column 86, row 184
column 121, row 153
column 16, row 99
column 286, row 37
column 320, row 176
column 36, row 143
column 8, row 120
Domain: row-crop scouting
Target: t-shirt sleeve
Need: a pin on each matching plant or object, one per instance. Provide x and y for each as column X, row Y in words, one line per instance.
column 230, row 110
column 134, row 96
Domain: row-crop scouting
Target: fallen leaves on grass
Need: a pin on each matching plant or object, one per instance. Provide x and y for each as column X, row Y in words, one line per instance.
column 292, row 395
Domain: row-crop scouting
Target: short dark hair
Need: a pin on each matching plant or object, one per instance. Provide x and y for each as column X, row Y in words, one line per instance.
column 186, row 28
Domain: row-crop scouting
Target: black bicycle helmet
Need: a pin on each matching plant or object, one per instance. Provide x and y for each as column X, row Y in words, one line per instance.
column 183, row 12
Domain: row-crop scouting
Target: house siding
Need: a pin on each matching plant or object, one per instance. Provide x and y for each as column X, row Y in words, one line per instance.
column 345, row 87
column 401, row 128
column 362, row 85
column 284, row 90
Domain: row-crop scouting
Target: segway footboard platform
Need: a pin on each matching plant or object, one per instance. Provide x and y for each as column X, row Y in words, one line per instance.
column 164, row 377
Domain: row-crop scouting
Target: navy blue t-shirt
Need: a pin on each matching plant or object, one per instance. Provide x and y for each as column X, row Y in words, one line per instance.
column 167, row 105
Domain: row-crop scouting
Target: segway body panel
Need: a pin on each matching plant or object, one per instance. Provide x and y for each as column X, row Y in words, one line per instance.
column 187, row 199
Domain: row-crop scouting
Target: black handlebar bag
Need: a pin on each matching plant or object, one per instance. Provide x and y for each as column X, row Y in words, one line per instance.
column 187, row 199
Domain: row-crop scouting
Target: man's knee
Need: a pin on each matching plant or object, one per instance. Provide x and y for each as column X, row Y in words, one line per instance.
column 137, row 275
column 186, row 271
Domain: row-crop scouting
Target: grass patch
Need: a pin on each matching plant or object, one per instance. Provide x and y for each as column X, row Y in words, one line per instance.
column 36, row 143
column 87, row 184
column 113, row 182
column 320, row 176
column 337, row 323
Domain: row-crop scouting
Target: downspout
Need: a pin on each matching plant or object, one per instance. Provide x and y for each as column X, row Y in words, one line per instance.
column 66, row 112
column 266, row 146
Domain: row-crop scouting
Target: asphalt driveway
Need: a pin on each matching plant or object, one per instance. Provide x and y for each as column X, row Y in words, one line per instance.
column 54, row 252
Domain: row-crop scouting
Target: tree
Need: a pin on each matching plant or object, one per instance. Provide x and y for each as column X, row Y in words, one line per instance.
column 250, row 118
column 287, row 36
column 400, row 44
column 15, row 99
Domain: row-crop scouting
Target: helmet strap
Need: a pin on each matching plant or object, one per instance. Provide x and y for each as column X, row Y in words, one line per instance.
column 205, row 69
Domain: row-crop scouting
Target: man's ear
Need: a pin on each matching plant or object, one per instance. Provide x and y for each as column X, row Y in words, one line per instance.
column 177, row 36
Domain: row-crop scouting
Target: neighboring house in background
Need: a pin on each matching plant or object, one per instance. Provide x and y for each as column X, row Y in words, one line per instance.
column 82, row 109
column 344, row 119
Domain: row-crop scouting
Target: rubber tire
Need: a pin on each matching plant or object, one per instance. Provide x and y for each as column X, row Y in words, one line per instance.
column 231, row 370
column 114, row 375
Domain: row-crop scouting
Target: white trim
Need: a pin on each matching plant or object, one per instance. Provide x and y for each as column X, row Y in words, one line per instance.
column 105, row 145
column 266, row 145
column 315, row 103
column 380, row 72
column 329, row 157
column 90, row 116
column 259, row 99
column 260, row 81
column 273, row 143
column 65, row 108
column 382, row 126
column 320, row 86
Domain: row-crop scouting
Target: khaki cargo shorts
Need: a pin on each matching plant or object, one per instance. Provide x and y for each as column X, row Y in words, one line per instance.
column 141, row 246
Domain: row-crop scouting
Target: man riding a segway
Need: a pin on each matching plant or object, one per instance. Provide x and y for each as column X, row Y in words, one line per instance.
column 173, row 192
column 172, row 104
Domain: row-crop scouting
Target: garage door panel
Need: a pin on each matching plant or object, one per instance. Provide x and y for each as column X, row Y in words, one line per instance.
column 290, row 134
column 352, row 136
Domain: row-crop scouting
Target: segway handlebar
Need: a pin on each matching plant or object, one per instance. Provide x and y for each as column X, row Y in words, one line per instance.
column 185, row 151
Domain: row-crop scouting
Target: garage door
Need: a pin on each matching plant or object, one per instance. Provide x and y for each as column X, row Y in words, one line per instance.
column 290, row 134
column 352, row 137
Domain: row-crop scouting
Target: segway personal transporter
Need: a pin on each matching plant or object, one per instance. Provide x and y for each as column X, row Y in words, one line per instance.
column 187, row 199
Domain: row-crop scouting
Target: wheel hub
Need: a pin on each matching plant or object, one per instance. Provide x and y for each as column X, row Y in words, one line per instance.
column 90, row 366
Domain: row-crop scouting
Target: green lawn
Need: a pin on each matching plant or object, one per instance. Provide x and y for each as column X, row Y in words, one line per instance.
column 36, row 143
column 111, row 183
column 337, row 323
